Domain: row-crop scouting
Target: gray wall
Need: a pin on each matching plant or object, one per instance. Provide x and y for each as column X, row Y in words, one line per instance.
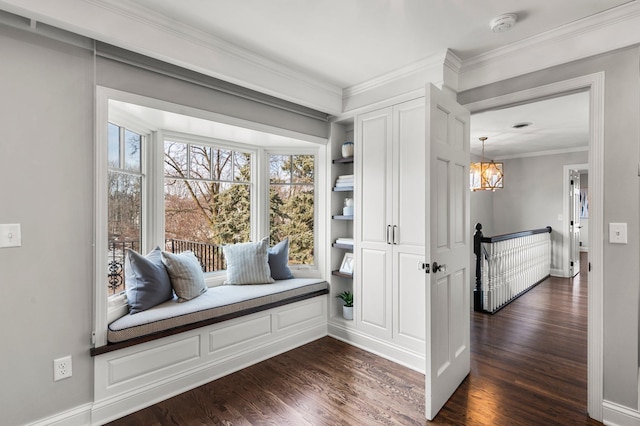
column 46, row 157
column 621, row 266
column 46, row 169
column 533, row 198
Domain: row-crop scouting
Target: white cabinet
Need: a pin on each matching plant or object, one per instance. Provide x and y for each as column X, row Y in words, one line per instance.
column 390, row 178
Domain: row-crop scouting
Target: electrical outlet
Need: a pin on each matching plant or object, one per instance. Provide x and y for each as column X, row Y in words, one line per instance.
column 62, row 368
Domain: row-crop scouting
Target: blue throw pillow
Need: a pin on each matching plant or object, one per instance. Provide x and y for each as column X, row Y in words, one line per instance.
column 279, row 261
column 146, row 280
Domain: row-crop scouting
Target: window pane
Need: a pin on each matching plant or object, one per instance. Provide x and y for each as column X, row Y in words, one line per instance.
column 125, row 223
column 302, row 168
column 242, row 167
column 113, row 146
column 132, row 151
column 211, row 206
column 292, row 215
column 200, row 162
column 186, row 211
column 222, row 164
column 280, row 168
column 175, row 159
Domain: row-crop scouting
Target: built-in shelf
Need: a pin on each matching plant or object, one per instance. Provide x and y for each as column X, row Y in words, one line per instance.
column 342, row 188
column 346, row 160
column 342, row 246
column 342, row 274
column 342, row 217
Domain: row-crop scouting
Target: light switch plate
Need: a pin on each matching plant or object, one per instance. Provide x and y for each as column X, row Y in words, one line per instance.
column 10, row 235
column 618, row 233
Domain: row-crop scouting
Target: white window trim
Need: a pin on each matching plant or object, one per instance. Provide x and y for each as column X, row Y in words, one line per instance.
column 155, row 216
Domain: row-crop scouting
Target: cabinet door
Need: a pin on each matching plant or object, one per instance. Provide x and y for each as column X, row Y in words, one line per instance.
column 409, row 173
column 374, row 151
column 373, row 223
column 408, row 213
column 408, row 296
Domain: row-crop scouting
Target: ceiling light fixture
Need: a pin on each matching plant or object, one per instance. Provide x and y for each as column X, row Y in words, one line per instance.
column 503, row 23
column 486, row 175
column 521, row 125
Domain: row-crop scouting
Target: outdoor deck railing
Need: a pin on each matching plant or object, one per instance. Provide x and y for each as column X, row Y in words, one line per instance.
column 509, row 265
column 210, row 257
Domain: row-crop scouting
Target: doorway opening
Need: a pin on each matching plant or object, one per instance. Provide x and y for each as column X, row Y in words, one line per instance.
column 593, row 85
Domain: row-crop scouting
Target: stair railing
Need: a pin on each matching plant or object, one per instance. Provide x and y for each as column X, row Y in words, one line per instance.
column 509, row 265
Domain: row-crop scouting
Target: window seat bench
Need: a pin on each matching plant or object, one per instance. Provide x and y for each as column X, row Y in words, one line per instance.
column 218, row 304
column 176, row 346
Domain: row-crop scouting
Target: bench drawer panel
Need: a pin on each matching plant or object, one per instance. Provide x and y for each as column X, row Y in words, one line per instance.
column 242, row 332
column 314, row 309
column 152, row 360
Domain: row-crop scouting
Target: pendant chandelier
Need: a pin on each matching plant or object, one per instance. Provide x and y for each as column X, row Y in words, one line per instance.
column 486, row 175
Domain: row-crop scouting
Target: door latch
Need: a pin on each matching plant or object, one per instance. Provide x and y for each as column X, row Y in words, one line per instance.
column 439, row 268
column 425, row 266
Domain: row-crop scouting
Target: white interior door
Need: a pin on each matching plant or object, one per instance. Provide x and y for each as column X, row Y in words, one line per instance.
column 448, row 237
column 574, row 223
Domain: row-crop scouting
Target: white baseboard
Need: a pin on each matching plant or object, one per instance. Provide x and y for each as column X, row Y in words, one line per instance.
column 391, row 352
column 618, row 415
column 79, row 416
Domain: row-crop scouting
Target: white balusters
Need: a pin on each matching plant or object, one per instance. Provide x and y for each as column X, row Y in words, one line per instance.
column 510, row 267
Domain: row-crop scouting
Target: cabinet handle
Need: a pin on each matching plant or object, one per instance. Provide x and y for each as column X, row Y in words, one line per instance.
column 388, row 229
column 395, row 241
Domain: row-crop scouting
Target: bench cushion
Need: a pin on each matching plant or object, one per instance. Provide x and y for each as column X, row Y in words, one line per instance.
column 215, row 302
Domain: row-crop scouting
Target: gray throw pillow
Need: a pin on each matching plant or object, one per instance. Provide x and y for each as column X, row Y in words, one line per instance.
column 279, row 261
column 186, row 274
column 147, row 282
column 248, row 263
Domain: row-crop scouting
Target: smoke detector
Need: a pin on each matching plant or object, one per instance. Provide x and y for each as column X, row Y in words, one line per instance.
column 503, row 23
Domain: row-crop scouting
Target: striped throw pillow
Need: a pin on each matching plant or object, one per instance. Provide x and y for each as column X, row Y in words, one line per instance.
column 248, row 263
column 185, row 273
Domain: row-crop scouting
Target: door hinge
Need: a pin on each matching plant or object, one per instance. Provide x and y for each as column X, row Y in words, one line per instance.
column 571, row 263
column 93, row 337
column 571, row 182
column 589, row 266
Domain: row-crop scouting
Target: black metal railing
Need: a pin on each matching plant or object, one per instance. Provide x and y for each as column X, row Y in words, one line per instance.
column 210, row 256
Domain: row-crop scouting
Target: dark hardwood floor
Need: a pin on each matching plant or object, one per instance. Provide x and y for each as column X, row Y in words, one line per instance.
column 528, row 367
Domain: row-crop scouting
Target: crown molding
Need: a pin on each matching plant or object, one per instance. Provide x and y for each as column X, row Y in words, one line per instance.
column 610, row 30
column 440, row 69
column 419, row 67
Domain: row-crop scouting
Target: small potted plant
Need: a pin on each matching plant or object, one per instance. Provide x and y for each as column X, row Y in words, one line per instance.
column 347, row 309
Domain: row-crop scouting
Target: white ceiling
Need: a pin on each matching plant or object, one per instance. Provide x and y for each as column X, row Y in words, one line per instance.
column 349, row 42
column 557, row 125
